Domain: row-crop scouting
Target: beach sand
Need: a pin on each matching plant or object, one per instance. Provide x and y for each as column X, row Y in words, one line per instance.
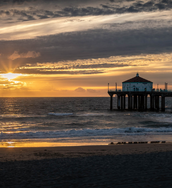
column 135, row 165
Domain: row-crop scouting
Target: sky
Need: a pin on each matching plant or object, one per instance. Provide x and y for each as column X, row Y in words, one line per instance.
column 74, row 48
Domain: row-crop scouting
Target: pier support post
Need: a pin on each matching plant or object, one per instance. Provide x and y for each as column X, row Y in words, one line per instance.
column 124, row 103
column 121, row 102
column 142, row 102
column 152, row 102
column 157, row 102
column 145, row 102
column 139, row 102
column 129, row 101
column 111, row 102
column 162, row 103
column 135, row 101
column 118, row 102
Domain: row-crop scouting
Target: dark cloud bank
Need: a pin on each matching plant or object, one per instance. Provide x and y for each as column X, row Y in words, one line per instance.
column 41, row 9
column 91, row 44
column 100, row 43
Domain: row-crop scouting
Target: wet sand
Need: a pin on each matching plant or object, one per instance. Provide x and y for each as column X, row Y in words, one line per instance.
column 135, row 165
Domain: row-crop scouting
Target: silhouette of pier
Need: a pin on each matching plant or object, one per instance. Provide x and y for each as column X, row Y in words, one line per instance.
column 137, row 100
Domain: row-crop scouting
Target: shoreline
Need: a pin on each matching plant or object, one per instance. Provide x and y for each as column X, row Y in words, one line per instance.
column 39, row 153
column 83, row 141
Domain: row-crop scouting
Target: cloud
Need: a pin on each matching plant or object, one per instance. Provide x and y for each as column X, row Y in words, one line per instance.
column 98, row 43
column 85, row 66
column 71, row 37
column 41, row 8
column 4, row 81
column 26, row 10
column 99, row 65
column 10, row 84
column 86, row 52
column 55, row 26
column 30, row 54
column 48, row 72
column 80, row 89
column 84, row 43
column 78, row 64
column 16, row 1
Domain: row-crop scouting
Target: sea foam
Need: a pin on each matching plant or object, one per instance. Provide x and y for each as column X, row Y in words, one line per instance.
column 86, row 132
column 60, row 114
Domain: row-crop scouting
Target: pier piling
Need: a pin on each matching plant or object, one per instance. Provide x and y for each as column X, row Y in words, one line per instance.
column 138, row 100
column 118, row 101
column 135, row 101
column 162, row 103
column 111, row 102
column 145, row 102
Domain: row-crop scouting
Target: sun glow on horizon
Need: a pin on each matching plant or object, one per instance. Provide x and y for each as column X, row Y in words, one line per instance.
column 10, row 76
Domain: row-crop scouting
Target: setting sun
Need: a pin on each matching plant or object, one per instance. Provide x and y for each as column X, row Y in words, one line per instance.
column 10, row 76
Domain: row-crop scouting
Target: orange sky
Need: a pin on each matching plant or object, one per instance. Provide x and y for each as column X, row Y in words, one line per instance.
column 151, row 67
column 74, row 49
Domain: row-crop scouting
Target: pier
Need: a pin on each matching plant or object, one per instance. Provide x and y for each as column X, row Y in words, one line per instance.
column 137, row 100
column 137, row 90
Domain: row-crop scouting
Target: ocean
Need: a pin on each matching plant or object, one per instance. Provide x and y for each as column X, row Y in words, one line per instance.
column 42, row 122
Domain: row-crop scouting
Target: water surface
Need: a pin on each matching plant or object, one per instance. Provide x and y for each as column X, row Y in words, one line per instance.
column 77, row 121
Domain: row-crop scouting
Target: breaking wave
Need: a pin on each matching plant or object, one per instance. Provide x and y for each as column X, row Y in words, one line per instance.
column 86, row 132
column 60, row 114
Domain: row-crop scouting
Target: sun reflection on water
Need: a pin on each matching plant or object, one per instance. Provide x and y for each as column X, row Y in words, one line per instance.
column 8, row 144
column 39, row 143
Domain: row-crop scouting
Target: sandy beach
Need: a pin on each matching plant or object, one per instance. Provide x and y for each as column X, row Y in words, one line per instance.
column 136, row 165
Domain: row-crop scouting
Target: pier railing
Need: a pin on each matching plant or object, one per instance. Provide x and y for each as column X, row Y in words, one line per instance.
column 165, row 91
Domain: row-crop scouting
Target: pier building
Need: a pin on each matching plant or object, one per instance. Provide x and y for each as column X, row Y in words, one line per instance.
column 135, row 93
column 137, row 84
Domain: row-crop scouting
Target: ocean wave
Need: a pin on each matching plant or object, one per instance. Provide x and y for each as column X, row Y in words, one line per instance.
column 86, row 132
column 60, row 114
column 94, row 114
column 13, row 116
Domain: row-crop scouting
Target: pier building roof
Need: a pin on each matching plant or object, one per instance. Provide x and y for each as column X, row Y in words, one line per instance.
column 137, row 78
